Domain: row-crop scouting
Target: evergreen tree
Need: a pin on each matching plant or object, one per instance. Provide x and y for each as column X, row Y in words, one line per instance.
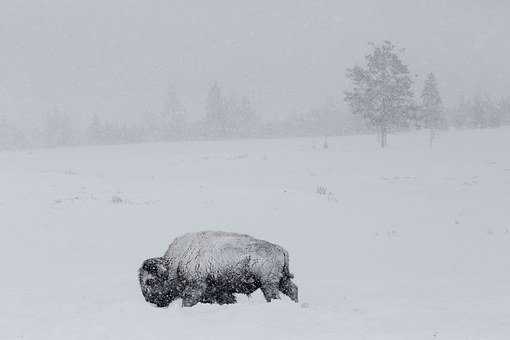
column 232, row 116
column 95, row 132
column 431, row 107
column 483, row 113
column 174, row 116
column 504, row 110
column 58, row 129
column 10, row 136
column 382, row 92
column 247, row 116
column 216, row 111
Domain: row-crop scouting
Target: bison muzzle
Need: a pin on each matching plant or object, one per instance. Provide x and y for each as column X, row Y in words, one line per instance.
column 212, row 266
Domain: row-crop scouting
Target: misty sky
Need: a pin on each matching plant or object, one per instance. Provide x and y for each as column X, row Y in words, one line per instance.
column 117, row 58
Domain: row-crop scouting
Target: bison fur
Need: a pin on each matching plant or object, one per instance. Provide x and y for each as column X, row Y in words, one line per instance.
column 212, row 266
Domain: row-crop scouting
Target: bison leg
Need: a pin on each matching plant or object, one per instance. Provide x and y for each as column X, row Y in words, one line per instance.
column 192, row 295
column 206, row 298
column 288, row 288
column 270, row 291
column 225, row 298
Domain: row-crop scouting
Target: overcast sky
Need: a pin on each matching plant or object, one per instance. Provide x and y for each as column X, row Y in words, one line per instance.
column 117, row 58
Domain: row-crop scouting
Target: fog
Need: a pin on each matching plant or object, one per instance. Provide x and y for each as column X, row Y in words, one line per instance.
column 362, row 145
column 117, row 59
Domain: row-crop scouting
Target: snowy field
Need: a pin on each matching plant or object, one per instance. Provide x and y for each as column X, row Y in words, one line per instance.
column 403, row 243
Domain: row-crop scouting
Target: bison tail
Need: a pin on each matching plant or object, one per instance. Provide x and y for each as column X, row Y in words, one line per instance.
column 286, row 270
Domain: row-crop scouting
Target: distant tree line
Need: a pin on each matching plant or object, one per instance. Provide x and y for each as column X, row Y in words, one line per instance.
column 382, row 94
column 480, row 112
column 381, row 101
column 226, row 117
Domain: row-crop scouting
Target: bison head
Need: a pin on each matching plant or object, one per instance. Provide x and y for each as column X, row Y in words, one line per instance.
column 158, row 285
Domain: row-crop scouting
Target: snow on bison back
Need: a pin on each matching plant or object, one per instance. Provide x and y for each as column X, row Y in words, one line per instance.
column 211, row 266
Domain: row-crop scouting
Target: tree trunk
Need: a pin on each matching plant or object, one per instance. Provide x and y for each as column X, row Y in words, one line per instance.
column 432, row 136
column 383, row 139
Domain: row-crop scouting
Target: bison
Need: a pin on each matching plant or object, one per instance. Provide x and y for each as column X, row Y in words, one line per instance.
column 212, row 266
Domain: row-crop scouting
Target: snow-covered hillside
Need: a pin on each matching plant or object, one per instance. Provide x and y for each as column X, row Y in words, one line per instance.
column 403, row 243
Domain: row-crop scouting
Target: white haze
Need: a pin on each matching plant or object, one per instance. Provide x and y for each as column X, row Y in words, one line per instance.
column 127, row 123
column 117, row 58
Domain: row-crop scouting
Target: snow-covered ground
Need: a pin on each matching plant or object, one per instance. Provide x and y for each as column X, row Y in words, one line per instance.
column 403, row 243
